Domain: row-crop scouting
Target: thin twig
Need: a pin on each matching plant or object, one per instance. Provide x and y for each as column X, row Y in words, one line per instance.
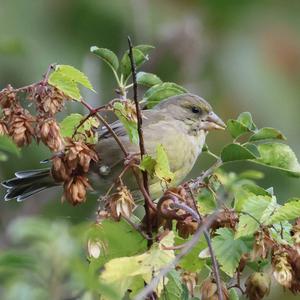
column 145, row 187
column 29, row 87
column 194, row 184
column 164, row 271
column 101, row 119
column 211, row 251
column 91, row 114
column 47, row 74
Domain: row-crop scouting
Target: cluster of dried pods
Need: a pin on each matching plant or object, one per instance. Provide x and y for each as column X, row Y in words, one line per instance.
column 70, row 158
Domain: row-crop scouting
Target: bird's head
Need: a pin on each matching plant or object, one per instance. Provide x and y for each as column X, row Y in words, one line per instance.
column 193, row 110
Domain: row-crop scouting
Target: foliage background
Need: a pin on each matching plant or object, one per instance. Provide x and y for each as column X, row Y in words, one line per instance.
column 239, row 55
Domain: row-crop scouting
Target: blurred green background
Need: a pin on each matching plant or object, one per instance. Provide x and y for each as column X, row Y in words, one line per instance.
column 239, row 55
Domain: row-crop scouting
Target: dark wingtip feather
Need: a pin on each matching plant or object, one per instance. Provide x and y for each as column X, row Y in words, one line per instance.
column 27, row 183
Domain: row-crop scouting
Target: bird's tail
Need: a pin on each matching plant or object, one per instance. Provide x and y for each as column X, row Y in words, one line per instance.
column 28, row 183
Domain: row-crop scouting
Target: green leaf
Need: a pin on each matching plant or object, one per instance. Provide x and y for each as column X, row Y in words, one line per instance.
column 173, row 289
column 144, row 48
column 278, row 156
column 251, row 174
column 253, row 149
column 15, row 260
column 148, row 164
column 281, row 233
column 233, row 294
column 191, row 262
column 236, row 128
column 158, row 166
column 162, row 167
column 245, row 119
column 242, row 125
column 206, row 201
column 267, row 133
column 66, row 78
column 122, row 272
column 229, row 250
column 7, row 145
column 109, row 233
column 253, row 212
column 162, row 91
column 107, row 56
column 129, row 124
column 289, row 211
column 246, row 191
column 147, row 79
column 68, row 124
column 258, row 265
column 234, row 152
column 139, row 58
column 71, row 122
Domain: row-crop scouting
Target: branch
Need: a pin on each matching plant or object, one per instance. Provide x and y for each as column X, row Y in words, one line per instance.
column 210, row 248
column 138, row 112
column 164, row 271
column 101, row 119
column 29, row 87
column 145, row 186
column 194, row 184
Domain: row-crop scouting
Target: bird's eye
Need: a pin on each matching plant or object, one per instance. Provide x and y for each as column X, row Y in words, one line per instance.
column 195, row 110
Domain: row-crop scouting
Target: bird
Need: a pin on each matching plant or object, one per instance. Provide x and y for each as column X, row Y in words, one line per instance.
column 179, row 123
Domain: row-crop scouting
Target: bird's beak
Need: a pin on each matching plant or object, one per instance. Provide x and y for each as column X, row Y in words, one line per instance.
column 214, row 122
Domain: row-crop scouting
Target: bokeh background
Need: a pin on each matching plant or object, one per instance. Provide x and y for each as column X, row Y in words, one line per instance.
column 239, row 55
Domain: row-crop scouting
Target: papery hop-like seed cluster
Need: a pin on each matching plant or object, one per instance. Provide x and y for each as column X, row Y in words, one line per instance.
column 71, row 159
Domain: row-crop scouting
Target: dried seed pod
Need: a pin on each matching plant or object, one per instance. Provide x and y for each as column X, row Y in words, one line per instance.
column 121, row 203
column 186, row 227
column 19, row 126
column 263, row 245
column 3, row 128
column 8, row 97
column 127, row 109
column 49, row 132
column 295, row 286
column 59, row 171
column 49, row 99
column 258, row 285
column 226, row 218
column 209, row 290
column 190, row 279
column 75, row 189
column 295, row 232
column 78, row 154
column 94, row 248
column 282, row 270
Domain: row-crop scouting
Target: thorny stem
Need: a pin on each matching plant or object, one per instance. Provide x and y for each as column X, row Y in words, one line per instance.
column 145, row 185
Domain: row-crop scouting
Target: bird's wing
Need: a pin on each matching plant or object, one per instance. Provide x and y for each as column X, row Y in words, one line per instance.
column 119, row 129
column 116, row 126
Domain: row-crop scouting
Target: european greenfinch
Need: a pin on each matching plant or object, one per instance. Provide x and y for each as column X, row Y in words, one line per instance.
column 179, row 123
